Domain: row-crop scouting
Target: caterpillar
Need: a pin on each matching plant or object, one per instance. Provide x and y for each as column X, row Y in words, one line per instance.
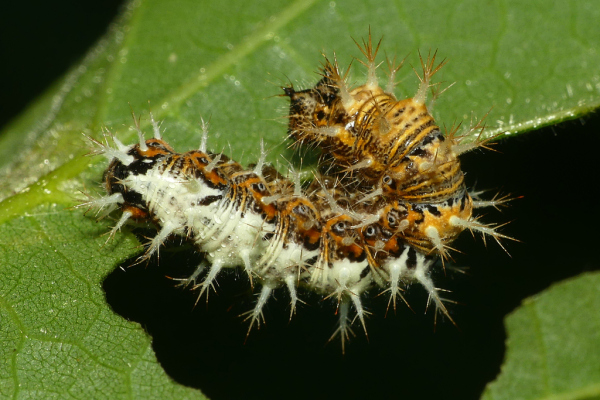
column 387, row 201
column 391, row 149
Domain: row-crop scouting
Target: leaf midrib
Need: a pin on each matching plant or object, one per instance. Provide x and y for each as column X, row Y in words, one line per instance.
column 34, row 195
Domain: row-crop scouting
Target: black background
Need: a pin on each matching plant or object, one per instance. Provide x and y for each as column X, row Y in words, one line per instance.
column 552, row 169
column 39, row 40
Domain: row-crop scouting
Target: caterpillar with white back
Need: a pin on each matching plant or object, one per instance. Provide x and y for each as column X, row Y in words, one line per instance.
column 389, row 198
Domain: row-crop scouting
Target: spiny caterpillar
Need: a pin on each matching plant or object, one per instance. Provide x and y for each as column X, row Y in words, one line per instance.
column 388, row 200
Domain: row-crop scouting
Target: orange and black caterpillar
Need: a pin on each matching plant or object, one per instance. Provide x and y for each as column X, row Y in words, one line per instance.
column 391, row 150
column 388, row 201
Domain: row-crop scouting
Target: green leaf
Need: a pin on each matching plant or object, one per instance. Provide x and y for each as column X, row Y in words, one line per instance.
column 534, row 63
column 553, row 345
column 58, row 337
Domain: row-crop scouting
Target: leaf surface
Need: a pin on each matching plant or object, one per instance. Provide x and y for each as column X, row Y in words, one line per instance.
column 553, row 345
column 184, row 59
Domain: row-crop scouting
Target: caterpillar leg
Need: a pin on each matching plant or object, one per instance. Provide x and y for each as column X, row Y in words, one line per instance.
column 245, row 256
column 256, row 315
column 396, row 270
column 121, row 152
column 486, row 230
column 412, row 265
column 103, row 205
column 209, row 281
column 159, row 239
column 421, row 274
column 434, row 236
column 185, row 282
column 360, row 311
column 291, row 283
column 344, row 323
column 496, row 201
column 122, row 221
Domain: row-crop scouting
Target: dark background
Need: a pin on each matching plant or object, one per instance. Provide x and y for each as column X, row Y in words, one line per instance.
column 40, row 40
column 404, row 358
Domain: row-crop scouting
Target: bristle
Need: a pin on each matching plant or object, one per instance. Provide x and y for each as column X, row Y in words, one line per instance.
column 360, row 311
column 120, row 153
column 485, row 230
column 365, row 163
column 204, row 139
column 103, row 205
column 497, row 201
column 291, row 283
column 393, row 69
column 428, row 71
column 256, row 315
column 396, row 269
column 120, row 146
column 433, row 234
column 191, row 280
column 436, row 94
column 466, row 141
column 215, row 161
column 142, row 141
column 366, row 221
column 340, row 83
column 422, row 276
column 261, row 160
column 370, row 54
column 343, row 328
column 155, row 127
column 245, row 256
column 122, row 221
column 209, row 280
column 295, row 175
column 159, row 239
column 374, row 194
